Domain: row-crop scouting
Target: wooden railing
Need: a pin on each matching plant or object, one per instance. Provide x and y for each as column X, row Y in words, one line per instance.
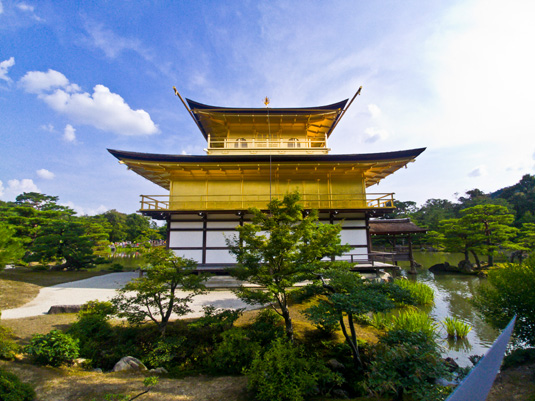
column 265, row 144
column 244, row 202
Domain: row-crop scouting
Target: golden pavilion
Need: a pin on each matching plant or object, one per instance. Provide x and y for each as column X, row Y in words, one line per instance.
column 253, row 155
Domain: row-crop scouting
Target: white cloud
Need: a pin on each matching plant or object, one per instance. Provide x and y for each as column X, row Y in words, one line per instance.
column 184, row 153
column 39, row 82
column 25, row 7
column 479, row 171
column 6, row 65
column 45, row 174
column 1, row 183
column 373, row 134
column 16, row 187
column 48, row 127
column 1, row 11
column 374, row 110
column 84, row 211
column 112, row 44
column 102, row 109
column 69, row 134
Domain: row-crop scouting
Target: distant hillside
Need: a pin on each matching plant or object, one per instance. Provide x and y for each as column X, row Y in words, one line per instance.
column 522, row 197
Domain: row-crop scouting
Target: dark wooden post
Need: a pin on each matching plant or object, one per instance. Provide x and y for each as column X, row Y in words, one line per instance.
column 411, row 258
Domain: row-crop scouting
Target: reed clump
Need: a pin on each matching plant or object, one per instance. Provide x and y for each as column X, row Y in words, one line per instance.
column 411, row 320
column 456, row 328
column 422, row 293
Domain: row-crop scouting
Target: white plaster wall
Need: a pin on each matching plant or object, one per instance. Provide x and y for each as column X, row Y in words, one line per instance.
column 184, row 239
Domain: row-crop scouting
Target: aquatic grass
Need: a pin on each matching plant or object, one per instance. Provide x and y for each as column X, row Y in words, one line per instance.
column 412, row 320
column 456, row 328
column 422, row 293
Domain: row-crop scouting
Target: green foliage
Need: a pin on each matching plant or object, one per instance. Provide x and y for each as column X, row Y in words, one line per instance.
column 267, row 327
column 456, row 328
column 8, row 347
column 284, row 373
column 54, row 348
column 411, row 320
column 12, row 389
column 167, row 352
column 406, row 363
column 349, row 297
column 421, row 293
column 233, row 353
column 217, row 319
column 11, row 248
column 280, row 248
column 509, row 292
column 154, row 296
column 518, row 357
column 93, row 330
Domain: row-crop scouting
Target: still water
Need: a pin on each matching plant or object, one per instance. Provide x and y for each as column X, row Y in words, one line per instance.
column 452, row 298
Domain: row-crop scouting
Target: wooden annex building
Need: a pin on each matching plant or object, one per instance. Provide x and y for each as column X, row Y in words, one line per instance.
column 253, row 155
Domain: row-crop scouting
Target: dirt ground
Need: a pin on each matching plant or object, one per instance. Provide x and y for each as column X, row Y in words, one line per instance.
column 514, row 384
column 71, row 384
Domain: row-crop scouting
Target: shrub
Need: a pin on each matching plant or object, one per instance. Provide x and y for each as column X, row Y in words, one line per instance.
column 325, row 318
column 166, row 352
column 510, row 292
column 406, row 362
column 422, row 293
column 8, row 347
column 283, row 373
column 53, row 348
column 519, row 357
column 233, row 354
column 267, row 327
column 12, row 389
column 217, row 319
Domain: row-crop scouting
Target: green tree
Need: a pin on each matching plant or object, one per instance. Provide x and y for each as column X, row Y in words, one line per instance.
column 155, row 296
column 347, row 297
column 489, row 226
column 280, row 248
column 509, row 292
column 433, row 211
column 68, row 242
column 11, row 248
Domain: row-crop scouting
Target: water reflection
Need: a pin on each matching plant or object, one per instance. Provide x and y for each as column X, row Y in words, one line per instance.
column 452, row 298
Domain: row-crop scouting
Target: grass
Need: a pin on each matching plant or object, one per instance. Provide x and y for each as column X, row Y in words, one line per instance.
column 456, row 328
column 19, row 286
column 422, row 293
column 411, row 320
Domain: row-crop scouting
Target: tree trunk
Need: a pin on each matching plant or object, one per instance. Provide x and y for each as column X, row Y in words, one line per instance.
column 288, row 322
column 478, row 263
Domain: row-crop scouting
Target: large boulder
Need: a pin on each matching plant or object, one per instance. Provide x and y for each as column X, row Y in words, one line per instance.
column 129, row 363
column 57, row 309
column 443, row 268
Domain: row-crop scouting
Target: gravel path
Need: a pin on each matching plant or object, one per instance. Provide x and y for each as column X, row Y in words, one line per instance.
column 104, row 288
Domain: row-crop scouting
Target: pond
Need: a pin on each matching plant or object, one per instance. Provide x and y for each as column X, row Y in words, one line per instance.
column 452, row 298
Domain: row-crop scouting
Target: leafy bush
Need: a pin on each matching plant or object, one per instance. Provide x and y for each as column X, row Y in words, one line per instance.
column 218, row 319
column 233, row 354
column 325, row 318
column 53, row 348
column 422, row 293
column 12, row 389
column 166, row 352
column 510, row 292
column 283, row 373
column 94, row 332
column 406, row 362
column 8, row 347
column 519, row 357
column 267, row 327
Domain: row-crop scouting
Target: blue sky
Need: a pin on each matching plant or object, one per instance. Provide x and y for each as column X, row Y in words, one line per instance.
column 76, row 78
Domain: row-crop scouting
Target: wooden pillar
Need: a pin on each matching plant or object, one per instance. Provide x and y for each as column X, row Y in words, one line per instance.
column 411, row 258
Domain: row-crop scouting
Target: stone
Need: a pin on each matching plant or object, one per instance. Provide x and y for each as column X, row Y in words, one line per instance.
column 97, row 370
column 159, row 371
column 466, row 267
column 451, row 364
column 339, row 393
column 57, row 309
column 443, row 268
column 129, row 363
column 335, row 365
